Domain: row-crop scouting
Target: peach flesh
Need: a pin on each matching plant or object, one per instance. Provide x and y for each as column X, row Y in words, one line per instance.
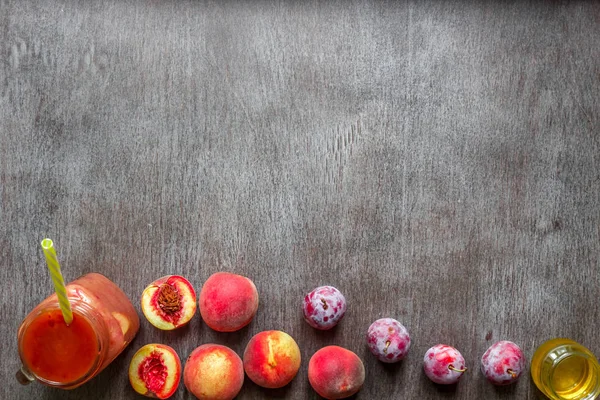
column 228, row 302
column 272, row 359
column 169, row 302
column 213, row 372
column 335, row 372
column 155, row 371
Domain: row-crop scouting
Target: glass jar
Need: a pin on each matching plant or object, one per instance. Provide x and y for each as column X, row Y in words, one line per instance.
column 562, row 369
column 104, row 323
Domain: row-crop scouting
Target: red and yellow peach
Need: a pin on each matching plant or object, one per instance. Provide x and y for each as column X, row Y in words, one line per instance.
column 228, row 302
column 272, row 359
column 213, row 372
column 335, row 372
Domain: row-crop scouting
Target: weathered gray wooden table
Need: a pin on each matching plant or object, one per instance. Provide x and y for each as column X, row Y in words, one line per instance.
column 438, row 162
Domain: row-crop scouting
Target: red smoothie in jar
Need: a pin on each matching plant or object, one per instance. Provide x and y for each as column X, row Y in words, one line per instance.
column 57, row 352
column 104, row 323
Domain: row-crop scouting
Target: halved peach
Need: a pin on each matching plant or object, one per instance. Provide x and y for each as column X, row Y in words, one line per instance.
column 155, row 371
column 169, row 302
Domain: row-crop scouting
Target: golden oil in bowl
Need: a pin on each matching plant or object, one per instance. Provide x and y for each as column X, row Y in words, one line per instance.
column 565, row 370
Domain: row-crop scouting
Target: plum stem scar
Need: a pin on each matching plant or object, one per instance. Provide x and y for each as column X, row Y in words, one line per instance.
column 325, row 306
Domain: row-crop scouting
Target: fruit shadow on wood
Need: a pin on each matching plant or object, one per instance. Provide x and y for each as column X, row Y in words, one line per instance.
column 264, row 393
column 439, row 390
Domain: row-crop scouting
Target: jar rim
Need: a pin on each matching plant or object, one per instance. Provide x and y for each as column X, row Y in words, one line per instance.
column 83, row 310
column 593, row 362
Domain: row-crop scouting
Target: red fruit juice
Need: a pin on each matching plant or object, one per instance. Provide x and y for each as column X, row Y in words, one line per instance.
column 104, row 323
column 57, row 352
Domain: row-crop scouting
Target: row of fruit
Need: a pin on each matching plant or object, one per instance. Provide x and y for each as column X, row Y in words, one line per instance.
column 228, row 302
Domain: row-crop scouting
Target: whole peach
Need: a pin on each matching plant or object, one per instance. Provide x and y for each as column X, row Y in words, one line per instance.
column 228, row 302
column 335, row 373
column 272, row 359
column 213, row 372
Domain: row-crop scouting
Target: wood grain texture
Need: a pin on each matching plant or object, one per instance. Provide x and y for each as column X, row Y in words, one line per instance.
column 438, row 162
